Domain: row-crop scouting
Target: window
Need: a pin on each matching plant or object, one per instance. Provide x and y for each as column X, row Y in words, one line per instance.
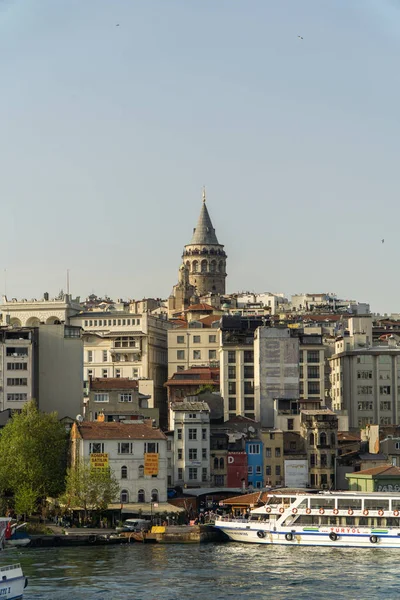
column 290, row 424
column 232, row 403
column 141, row 471
column 101, row 397
column 231, row 372
column 231, row 356
column 278, row 470
column 313, row 460
column 180, row 474
column 248, row 387
column 216, row 463
column 249, row 470
column 324, row 460
column 313, row 387
column 248, row 403
column 212, row 339
column 204, row 434
column 125, row 397
column 364, row 390
column 397, row 444
column 204, row 453
column 105, row 373
column 248, row 372
column 192, row 434
column 124, row 472
column 192, row 453
column 125, row 448
column 268, row 453
column 384, row 389
column 268, row 470
column 135, row 373
column 204, row 474
column 311, row 439
column 313, row 356
column 196, row 339
column 180, row 354
column 271, row 436
column 151, row 447
column 254, row 449
column 212, row 354
column 179, row 434
column 248, row 356
column 292, row 445
column 383, row 405
column 301, row 356
column 196, row 354
column 17, row 397
column 117, row 373
column 313, row 372
column 169, row 445
column 364, row 375
column 154, row 495
column 105, row 357
column 141, row 496
column 192, row 473
column 258, row 470
column 232, row 387
column 17, row 381
column 95, row 323
column 90, row 356
column 322, row 439
column 17, row 366
column 221, row 463
column 124, row 496
column 96, row 448
column 17, row 351
column 192, row 416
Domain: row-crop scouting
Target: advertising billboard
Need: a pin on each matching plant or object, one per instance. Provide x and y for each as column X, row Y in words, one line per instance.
column 99, row 461
column 296, row 473
column 150, row 463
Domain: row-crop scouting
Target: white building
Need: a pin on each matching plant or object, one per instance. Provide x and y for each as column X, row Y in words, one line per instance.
column 190, row 422
column 47, row 311
column 136, row 454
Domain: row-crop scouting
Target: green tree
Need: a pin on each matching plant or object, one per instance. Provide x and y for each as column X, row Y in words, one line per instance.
column 89, row 488
column 208, row 387
column 33, row 456
column 25, row 498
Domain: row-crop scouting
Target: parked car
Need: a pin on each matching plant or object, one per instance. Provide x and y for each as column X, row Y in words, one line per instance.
column 134, row 525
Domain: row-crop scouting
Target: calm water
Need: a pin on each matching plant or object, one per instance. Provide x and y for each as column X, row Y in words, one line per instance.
column 210, row 571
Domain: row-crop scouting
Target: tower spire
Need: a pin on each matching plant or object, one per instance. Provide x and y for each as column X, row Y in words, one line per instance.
column 204, row 193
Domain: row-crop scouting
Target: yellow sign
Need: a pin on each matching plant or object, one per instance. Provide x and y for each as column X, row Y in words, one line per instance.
column 150, row 463
column 99, row 461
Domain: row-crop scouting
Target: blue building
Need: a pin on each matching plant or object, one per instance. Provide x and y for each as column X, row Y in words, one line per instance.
column 254, row 451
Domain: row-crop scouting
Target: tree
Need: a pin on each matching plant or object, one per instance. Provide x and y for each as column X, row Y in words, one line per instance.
column 208, row 387
column 89, row 488
column 33, row 456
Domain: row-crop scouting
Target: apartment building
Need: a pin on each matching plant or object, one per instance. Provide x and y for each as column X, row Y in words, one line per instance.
column 193, row 344
column 190, row 421
column 365, row 378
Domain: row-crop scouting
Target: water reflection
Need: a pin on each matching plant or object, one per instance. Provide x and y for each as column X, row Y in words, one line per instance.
column 218, row 572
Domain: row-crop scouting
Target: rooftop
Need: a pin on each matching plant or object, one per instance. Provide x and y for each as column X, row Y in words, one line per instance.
column 118, row 431
column 100, row 384
column 385, row 470
column 190, row 406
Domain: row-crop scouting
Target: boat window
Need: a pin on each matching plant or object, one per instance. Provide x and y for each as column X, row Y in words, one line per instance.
column 396, row 504
column 322, row 502
column 376, row 504
column 391, row 522
column 303, row 504
column 350, row 521
column 346, row 503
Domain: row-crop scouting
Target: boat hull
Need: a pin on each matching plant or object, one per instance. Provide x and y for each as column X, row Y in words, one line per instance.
column 316, row 538
column 12, row 589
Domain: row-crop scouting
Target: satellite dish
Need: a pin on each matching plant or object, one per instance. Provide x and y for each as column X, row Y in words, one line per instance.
column 251, row 429
column 79, row 418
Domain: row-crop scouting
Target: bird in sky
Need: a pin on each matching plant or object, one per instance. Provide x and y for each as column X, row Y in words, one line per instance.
column 299, row 36
column 383, row 241
column 117, row 25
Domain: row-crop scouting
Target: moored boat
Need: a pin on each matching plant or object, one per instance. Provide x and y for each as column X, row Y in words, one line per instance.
column 12, row 582
column 349, row 519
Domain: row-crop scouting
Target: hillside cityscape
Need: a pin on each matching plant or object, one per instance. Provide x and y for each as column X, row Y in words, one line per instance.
column 206, row 392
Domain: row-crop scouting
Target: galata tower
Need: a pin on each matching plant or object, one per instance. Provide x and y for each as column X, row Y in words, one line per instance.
column 204, row 258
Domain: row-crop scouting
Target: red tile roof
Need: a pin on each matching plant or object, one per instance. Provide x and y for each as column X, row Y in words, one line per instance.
column 247, row 499
column 386, row 470
column 95, row 430
column 100, row 384
column 200, row 307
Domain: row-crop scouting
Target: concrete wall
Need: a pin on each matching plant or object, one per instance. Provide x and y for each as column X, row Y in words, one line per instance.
column 60, row 371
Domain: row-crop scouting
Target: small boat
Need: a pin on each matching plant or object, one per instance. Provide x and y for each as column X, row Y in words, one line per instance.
column 14, row 537
column 12, row 582
column 347, row 519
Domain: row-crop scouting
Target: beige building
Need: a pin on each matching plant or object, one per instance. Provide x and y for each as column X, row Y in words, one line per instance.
column 32, row 313
column 121, row 343
column 193, row 344
column 273, row 446
column 365, row 378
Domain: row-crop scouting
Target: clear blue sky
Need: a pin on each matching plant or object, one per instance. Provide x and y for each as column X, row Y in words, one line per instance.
column 107, row 135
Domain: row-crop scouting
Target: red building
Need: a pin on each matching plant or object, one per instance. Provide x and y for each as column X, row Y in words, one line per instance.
column 237, row 470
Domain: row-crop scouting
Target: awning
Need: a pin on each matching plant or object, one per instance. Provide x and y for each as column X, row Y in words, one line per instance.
column 146, row 508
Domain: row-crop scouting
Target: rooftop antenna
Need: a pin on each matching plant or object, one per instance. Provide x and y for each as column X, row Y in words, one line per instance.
column 5, row 282
column 204, row 193
column 68, row 282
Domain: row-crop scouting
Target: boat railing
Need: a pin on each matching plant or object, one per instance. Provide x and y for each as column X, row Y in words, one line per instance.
column 10, row 567
column 231, row 518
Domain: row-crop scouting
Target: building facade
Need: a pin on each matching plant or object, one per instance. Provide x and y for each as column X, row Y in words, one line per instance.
column 135, row 453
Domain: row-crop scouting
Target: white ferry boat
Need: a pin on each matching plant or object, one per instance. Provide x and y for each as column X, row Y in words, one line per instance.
column 12, row 582
column 350, row 519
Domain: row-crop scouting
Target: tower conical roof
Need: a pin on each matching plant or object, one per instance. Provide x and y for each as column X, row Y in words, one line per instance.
column 204, row 234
